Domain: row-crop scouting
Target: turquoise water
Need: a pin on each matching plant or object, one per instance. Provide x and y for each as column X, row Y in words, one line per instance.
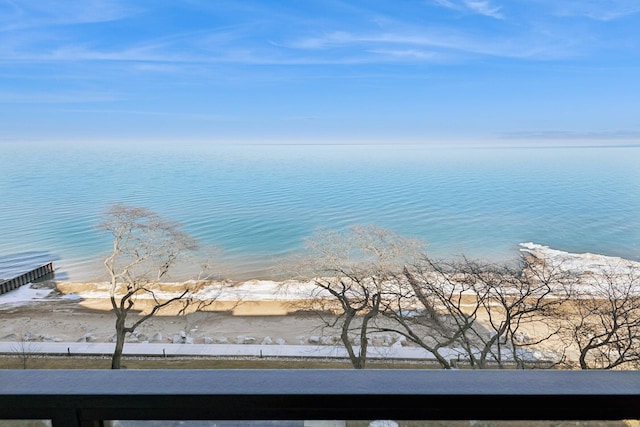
column 259, row 202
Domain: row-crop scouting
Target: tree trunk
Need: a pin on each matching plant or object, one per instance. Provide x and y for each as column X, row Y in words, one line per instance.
column 355, row 359
column 364, row 328
column 583, row 359
column 362, row 358
column 120, row 336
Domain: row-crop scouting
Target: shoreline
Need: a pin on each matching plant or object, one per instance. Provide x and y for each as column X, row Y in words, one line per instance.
column 79, row 272
column 281, row 297
column 567, row 260
column 270, row 314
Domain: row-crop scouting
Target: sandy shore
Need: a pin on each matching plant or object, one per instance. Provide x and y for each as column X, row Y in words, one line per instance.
column 69, row 311
column 42, row 313
column 81, row 313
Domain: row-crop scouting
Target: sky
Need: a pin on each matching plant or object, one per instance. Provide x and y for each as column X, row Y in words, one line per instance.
column 312, row 71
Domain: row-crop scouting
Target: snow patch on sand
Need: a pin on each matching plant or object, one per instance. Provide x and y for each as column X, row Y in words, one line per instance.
column 580, row 263
column 251, row 290
column 24, row 295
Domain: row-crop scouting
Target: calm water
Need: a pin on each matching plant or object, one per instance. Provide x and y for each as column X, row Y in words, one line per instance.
column 259, row 202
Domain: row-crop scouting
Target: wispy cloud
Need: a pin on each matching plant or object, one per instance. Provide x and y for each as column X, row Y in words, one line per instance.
column 177, row 48
column 192, row 59
column 600, row 10
column 444, row 41
column 55, row 98
column 401, row 43
column 378, row 38
column 181, row 115
column 484, row 8
column 480, row 7
column 23, row 14
column 411, row 54
column 579, row 135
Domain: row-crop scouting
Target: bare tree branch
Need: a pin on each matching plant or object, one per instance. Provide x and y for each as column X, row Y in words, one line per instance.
column 351, row 269
column 145, row 248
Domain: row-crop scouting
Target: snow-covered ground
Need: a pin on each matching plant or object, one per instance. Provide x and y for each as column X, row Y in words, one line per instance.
column 251, row 290
column 24, row 295
column 596, row 274
column 581, row 263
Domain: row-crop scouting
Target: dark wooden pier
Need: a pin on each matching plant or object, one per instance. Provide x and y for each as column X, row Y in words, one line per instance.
column 24, row 278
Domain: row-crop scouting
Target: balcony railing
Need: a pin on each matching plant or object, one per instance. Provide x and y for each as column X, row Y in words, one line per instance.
column 87, row 397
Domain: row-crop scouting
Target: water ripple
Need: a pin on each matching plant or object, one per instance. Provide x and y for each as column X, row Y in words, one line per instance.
column 259, row 204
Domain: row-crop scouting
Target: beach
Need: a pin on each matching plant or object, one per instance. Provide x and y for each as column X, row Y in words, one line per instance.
column 42, row 312
column 249, row 313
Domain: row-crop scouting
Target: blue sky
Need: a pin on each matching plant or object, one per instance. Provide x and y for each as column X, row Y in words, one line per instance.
column 381, row 71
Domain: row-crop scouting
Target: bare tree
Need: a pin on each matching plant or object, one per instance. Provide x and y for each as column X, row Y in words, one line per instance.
column 429, row 308
column 25, row 349
column 522, row 307
column 479, row 311
column 145, row 248
column 351, row 270
column 604, row 319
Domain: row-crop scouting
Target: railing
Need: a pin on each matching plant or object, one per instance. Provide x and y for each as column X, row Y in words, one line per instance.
column 83, row 398
column 24, row 278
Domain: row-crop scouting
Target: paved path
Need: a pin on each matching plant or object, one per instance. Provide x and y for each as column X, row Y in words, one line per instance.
column 229, row 350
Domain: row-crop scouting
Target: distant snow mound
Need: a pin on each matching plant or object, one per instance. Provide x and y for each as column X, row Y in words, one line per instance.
column 580, row 263
column 71, row 297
